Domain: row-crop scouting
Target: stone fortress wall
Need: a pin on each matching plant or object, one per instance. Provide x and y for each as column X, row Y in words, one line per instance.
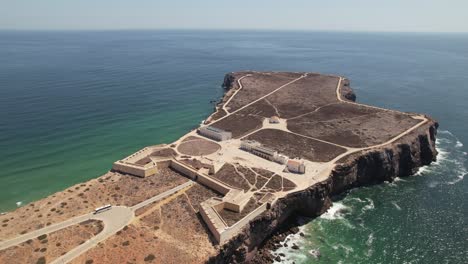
column 129, row 164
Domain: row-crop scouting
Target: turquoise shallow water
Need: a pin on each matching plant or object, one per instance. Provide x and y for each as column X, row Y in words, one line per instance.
column 71, row 103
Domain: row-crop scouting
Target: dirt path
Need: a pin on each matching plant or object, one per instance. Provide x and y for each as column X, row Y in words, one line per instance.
column 234, row 94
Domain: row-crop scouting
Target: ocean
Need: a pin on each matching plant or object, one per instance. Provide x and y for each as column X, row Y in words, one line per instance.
column 72, row 103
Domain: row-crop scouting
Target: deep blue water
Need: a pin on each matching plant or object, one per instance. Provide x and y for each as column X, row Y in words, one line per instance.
column 71, row 103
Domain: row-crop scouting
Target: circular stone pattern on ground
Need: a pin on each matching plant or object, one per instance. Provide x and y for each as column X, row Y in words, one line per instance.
column 195, row 146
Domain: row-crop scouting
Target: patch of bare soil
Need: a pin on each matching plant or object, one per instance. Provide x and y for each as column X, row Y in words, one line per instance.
column 265, row 173
column 47, row 247
column 248, row 174
column 219, row 114
column 172, row 232
column 296, row 146
column 258, row 85
column 305, row 95
column 260, row 182
column 111, row 188
column 288, row 185
column 198, row 194
column 275, row 183
column 231, row 217
column 197, row 147
column 194, row 163
column 352, row 126
column 165, row 152
column 240, row 123
column 230, row 176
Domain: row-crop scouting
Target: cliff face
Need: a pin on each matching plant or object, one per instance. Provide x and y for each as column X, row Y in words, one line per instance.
column 399, row 159
column 228, row 82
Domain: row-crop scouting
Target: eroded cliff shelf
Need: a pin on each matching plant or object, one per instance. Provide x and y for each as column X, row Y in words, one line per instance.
column 278, row 143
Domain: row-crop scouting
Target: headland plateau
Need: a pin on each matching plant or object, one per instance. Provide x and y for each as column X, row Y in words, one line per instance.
column 279, row 144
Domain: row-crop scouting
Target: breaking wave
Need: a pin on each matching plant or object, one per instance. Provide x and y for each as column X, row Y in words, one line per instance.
column 396, row 206
column 451, row 160
column 337, row 211
column 368, row 206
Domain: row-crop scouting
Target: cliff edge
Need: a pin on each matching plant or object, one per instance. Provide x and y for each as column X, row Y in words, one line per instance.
column 401, row 158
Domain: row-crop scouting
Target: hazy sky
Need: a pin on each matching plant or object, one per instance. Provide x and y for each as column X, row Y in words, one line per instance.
column 347, row 15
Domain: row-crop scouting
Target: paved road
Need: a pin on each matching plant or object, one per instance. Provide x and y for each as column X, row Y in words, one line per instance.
column 45, row 230
column 114, row 220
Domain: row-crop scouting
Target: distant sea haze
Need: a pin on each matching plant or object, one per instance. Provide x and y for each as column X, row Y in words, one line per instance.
column 72, row 103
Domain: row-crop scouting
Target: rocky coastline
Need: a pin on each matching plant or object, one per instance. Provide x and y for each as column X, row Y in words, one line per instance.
column 399, row 159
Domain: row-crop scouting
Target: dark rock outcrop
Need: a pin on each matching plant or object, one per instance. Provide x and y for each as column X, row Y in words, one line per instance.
column 228, row 82
column 347, row 92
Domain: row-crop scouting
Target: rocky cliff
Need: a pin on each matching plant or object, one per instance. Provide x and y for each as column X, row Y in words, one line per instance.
column 399, row 159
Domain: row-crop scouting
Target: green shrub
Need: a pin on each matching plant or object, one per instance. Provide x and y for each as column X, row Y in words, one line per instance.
column 150, row 257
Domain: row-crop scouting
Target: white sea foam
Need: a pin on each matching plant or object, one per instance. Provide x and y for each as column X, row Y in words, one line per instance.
column 358, row 199
column 459, row 178
column 292, row 255
column 445, row 132
column 18, row 204
column 369, row 206
column 450, row 160
column 370, row 240
column 336, row 211
column 422, row 170
column 347, row 249
column 396, row 206
column 398, row 179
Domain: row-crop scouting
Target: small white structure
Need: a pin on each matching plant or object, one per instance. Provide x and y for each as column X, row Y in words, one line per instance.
column 274, row 120
column 281, row 159
column 214, row 133
column 296, row 166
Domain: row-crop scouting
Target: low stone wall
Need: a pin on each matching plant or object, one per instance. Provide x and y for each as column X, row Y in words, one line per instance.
column 133, row 169
column 235, row 229
column 199, row 177
column 210, row 222
column 138, row 155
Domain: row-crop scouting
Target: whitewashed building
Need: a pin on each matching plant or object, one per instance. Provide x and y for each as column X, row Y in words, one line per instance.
column 258, row 149
column 214, row 133
column 296, row 166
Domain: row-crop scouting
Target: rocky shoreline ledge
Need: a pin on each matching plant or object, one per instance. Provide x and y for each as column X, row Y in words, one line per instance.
column 399, row 159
